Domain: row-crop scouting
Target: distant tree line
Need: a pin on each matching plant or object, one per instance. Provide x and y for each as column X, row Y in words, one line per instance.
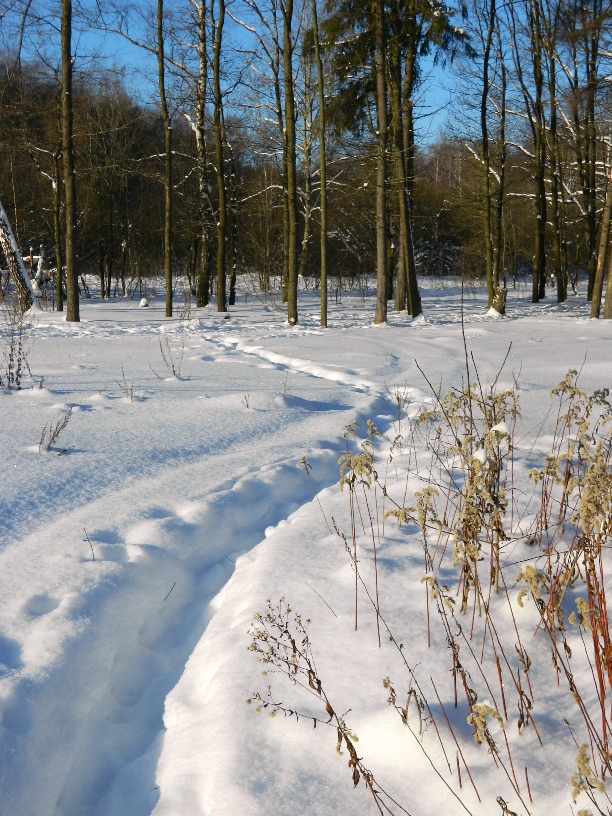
column 280, row 139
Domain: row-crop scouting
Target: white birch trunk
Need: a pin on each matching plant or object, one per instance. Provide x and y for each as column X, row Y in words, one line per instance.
column 17, row 270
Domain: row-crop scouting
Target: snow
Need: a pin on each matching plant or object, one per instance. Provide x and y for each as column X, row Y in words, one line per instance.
column 135, row 552
column 481, row 456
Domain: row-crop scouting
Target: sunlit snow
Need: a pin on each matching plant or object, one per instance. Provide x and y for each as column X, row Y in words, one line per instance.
column 134, row 553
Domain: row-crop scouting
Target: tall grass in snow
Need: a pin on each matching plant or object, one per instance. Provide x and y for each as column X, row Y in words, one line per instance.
column 498, row 539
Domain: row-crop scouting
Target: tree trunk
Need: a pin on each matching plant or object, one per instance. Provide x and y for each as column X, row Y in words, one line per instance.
column 486, row 160
column 72, row 285
column 412, row 284
column 57, row 229
column 161, row 70
column 307, row 136
column 538, row 125
column 607, row 312
column 322, row 164
column 401, row 289
column 603, row 253
column 558, row 226
column 17, row 270
column 233, row 221
column 407, row 293
column 407, row 97
column 592, row 34
column 275, row 68
column 217, row 33
column 123, row 265
column 203, row 284
column 381, row 165
column 499, row 300
column 292, row 210
column 303, row 264
column 285, row 276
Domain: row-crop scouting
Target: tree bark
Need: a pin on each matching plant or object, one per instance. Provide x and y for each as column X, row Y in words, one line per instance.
column 607, row 312
column 203, row 282
column 381, row 164
column 551, row 26
column 322, row 164
column 499, row 300
column 486, row 159
column 307, row 137
column 72, row 285
column 592, row 35
column 603, row 254
column 407, row 292
column 408, row 81
column 57, row 229
column 217, row 34
column 292, row 210
column 538, row 125
column 161, row 70
column 275, row 66
column 17, row 270
column 233, row 220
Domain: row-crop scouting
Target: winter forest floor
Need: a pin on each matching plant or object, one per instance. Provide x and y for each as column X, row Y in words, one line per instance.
column 124, row 679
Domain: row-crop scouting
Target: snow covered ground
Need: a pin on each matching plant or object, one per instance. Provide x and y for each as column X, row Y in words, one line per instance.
column 134, row 553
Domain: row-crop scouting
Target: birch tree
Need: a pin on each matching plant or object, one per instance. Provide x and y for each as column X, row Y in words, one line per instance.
column 17, row 271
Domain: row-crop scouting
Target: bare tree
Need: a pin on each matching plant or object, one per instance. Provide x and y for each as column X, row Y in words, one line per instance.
column 69, row 172
column 381, row 160
column 286, row 7
column 203, row 284
column 217, row 22
column 322, row 162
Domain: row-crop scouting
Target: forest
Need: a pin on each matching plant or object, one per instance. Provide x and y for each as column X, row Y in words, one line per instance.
column 291, row 141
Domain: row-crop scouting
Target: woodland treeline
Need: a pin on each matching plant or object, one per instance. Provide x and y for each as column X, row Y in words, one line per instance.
column 283, row 139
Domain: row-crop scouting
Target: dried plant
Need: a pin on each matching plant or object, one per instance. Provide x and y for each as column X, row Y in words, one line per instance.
column 282, row 643
column 50, row 433
column 15, row 328
column 128, row 389
column 172, row 363
column 470, row 516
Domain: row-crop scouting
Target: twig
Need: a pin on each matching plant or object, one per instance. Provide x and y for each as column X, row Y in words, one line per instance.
column 88, row 540
column 321, row 597
column 168, row 595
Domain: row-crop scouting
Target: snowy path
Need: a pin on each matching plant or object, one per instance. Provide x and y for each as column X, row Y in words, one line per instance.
column 91, row 754
column 168, row 546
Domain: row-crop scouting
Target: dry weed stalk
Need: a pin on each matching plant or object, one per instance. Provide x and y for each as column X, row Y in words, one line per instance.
column 173, row 365
column 470, row 513
column 282, row 643
column 53, row 431
column 128, row 389
column 15, row 331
